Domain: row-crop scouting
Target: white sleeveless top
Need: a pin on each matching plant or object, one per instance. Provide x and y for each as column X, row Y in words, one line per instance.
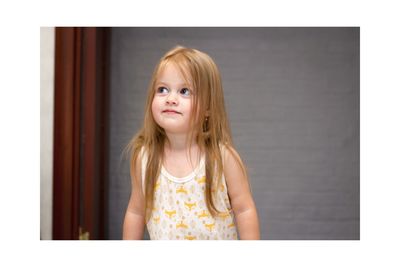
column 180, row 210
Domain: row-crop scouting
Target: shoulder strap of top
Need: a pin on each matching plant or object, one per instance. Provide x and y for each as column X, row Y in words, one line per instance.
column 143, row 157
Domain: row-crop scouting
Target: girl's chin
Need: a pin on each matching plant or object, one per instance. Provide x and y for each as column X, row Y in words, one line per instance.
column 175, row 129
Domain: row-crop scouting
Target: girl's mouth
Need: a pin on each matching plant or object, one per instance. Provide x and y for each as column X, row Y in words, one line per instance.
column 171, row 111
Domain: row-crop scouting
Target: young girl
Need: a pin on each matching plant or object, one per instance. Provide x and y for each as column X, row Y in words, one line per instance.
column 188, row 182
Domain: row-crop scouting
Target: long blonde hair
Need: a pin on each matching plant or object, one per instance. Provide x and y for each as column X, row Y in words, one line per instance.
column 209, row 123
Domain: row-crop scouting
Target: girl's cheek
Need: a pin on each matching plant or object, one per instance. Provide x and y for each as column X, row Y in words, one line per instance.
column 154, row 106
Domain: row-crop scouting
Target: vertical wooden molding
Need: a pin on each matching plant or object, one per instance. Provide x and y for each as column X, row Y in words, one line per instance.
column 104, row 39
column 66, row 134
column 95, row 129
column 81, row 132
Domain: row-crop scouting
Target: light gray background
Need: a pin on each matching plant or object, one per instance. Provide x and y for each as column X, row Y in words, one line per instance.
column 292, row 96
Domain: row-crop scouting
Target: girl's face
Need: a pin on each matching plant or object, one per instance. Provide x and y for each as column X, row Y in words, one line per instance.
column 172, row 102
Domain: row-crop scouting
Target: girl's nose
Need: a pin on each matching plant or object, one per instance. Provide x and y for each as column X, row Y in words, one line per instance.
column 172, row 99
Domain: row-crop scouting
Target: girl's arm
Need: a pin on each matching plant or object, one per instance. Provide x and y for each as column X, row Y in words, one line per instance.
column 134, row 217
column 240, row 196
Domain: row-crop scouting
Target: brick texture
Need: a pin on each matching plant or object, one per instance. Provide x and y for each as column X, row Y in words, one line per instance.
column 292, row 96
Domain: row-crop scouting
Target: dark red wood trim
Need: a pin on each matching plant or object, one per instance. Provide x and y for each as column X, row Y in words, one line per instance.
column 77, row 136
column 81, row 132
column 103, row 68
column 89, row 129
column 95, row 129
column 66, row 135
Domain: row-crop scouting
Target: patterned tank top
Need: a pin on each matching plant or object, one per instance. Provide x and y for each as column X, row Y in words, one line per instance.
column 180, row 210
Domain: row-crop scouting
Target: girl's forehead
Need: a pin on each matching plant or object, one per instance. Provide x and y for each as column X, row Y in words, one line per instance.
column 173, row 71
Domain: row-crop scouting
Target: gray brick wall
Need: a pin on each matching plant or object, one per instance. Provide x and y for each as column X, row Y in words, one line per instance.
column 292, row 95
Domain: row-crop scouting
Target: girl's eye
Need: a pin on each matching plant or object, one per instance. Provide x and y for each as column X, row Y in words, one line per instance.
column 185, row 92
column 162, row 90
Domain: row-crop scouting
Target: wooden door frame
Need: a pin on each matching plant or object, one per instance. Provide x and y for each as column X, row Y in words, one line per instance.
column 81, row 133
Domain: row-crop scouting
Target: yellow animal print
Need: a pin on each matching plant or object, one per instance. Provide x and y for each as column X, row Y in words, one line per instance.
column 181, row 225
column 203, row 214
column 190, row 237
column 156, row 219
column 231, row 225
column 210, row 226
column 170, row 213
column 201, row 180
column 190, row 205
column 181, row 190
column 157, row 185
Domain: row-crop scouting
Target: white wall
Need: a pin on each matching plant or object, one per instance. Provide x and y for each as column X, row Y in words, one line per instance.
column 47, row 42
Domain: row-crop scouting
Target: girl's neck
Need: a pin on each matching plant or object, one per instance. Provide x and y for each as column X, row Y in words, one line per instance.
column 179, row 143
column 181, row 156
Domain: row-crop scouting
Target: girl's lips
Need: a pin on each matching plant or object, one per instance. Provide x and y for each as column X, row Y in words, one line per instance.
column 168, row 111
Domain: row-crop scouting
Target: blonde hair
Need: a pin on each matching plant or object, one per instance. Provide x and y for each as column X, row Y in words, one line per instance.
column 209, row 123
